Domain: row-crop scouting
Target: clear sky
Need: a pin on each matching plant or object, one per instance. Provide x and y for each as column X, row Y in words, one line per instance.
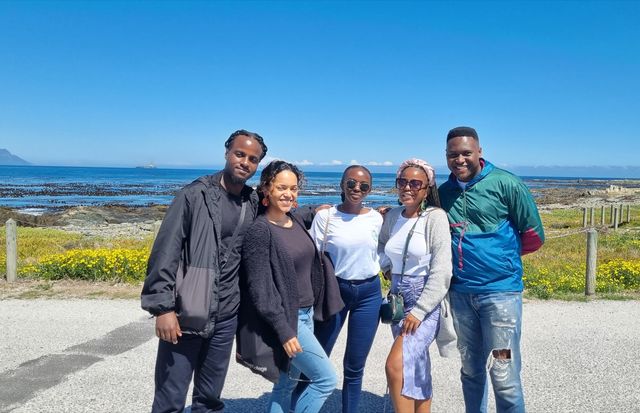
column 128, row 83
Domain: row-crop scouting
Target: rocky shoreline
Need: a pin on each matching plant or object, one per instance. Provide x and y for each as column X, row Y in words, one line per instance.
column 115, row 221
column 566, row 198
column 109, row 221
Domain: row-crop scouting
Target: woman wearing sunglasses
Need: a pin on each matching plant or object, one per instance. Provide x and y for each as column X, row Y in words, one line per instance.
column 349, row 235
column 284, row 283
column 417, row 249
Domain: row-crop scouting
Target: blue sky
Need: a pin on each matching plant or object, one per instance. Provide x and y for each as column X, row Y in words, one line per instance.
column 128, row 83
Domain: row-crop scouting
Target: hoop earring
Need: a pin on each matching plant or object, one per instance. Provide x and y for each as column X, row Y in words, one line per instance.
column 265, row 201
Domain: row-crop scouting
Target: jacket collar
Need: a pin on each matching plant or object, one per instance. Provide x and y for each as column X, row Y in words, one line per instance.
column 213, row 190
column 213, row 182
column 487, row 167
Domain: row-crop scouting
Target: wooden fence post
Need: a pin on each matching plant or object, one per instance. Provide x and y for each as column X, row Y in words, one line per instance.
column 611, row 216
column 156, row 228
column 592, row 256
column 602, row 215
column 592, row 217
column 12, row 250
column 584, row 217
column 616, row 218
column 628, row 213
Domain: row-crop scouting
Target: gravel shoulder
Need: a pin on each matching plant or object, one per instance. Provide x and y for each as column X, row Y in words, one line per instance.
column 578, row 356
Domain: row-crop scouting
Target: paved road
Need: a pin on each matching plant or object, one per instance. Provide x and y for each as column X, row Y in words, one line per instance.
column 98, row 356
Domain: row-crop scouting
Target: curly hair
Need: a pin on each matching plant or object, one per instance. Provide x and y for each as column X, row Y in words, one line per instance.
column 270, row 172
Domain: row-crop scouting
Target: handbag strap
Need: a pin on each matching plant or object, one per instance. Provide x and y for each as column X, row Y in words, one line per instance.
column 406, row 244
column 236, row 231
column 326, row 231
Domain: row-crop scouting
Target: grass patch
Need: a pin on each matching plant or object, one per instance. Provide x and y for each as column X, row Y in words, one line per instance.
column 48, row 258
column 558, row 269
column 51, row 254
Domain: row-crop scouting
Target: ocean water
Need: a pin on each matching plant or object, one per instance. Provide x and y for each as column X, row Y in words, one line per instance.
column 36, row 189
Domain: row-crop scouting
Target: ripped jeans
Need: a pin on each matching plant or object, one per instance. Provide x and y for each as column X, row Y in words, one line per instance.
column 489, row 329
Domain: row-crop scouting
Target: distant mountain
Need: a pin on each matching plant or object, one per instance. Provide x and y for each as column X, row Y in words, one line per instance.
column 7, row 158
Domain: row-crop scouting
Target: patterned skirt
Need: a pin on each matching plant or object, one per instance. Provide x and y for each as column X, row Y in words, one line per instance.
column 416, row 363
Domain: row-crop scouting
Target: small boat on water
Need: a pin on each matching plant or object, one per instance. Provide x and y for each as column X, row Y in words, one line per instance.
column 150, row 165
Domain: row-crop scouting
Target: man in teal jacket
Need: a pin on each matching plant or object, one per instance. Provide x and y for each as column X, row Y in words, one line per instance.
column 493, row 221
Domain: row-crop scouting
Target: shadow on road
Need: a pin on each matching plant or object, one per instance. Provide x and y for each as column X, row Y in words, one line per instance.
column 369, row 402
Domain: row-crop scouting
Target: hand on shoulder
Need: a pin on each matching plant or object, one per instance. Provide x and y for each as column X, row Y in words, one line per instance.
column 322, row 207
column 382, row 210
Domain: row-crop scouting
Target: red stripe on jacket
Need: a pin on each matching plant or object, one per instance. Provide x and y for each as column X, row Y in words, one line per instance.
column 531, row 241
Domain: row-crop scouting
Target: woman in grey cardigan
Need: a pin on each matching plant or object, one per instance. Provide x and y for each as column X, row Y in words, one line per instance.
column 416, row 243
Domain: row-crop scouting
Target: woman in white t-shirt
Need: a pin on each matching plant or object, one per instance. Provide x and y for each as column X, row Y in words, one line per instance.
column 350, row 232
column 417, row 249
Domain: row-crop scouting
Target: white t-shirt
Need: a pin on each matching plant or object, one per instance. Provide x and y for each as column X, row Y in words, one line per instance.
column 418, row 261
column 352, row 242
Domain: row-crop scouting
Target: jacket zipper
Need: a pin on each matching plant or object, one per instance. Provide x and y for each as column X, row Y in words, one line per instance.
column 462, row 224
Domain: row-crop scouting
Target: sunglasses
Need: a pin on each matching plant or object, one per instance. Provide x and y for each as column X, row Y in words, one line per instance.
column 364, row 186
column 414, row 184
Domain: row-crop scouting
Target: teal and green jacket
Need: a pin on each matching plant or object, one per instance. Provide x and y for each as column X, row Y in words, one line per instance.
column 493, row 222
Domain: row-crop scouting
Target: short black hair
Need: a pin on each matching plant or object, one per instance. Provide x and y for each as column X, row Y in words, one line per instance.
column 252, row 135
column 462, row 131
column 344, row 176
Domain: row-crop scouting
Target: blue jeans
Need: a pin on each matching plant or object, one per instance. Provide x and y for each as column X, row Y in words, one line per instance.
column 314, row 364
column 489, row 329
column 362, row 301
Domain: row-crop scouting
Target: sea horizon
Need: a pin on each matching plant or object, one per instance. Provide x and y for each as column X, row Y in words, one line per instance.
column 39, row 189
column 625, row 173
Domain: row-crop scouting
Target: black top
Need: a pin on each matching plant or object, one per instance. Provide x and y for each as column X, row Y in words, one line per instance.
column 300, row 248
column 270, row 281
column 270, row 290
column 229, row 291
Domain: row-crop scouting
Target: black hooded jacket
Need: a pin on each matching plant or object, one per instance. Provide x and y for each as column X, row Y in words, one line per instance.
column 183, row 272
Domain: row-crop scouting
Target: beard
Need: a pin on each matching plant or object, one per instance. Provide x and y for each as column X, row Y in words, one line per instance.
column 235, row 180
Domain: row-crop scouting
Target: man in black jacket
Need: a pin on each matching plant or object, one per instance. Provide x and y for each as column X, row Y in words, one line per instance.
column 192, row 279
